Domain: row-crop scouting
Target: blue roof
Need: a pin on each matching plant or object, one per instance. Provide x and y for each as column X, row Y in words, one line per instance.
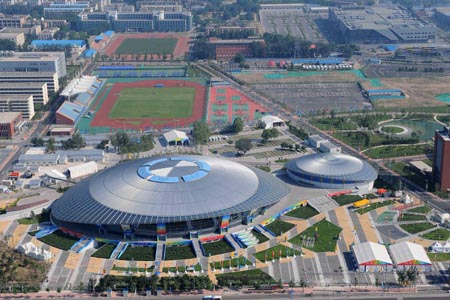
column 65, row 8
column 98, row 38
column 90, row 53
column 384, row 91
column 116, row 68
column 71, row 111
column 109, row 33
column 61, row 43
column 83, row 98
column 390, row 47
column 74, row 5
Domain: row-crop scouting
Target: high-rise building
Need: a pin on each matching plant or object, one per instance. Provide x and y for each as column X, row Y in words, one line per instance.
column 34, row 62
column 441, row 158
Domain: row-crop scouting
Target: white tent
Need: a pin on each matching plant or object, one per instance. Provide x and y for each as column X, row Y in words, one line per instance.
column 406, row 255
column 371, row 257
column 438, row 247
column 30, row 249
column 176, row 137
column 272, row 121
column 78, row 85
column 83, row 170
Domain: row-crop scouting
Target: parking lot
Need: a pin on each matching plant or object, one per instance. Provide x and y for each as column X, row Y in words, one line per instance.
column 309, row 97
column 293, row 22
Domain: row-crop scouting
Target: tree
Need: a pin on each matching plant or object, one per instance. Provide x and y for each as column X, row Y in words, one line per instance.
column 201, row 132
column 37, row 141
column 269, row 134
column 243, row 145
column 238, row 125
column 239, row 58
column 51, row 145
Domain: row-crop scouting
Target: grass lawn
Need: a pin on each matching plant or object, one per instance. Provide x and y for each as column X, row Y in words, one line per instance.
column 346, row 199
column 179, row 252
column 303, row 212
column 147, row 46
column 373, row 206
column 417, row 227
column 404, row 170
column 279, row 227
column 104, row 251
column 45, row 217
column 439, row 256
column 261, row 237
column 60, row 240
column 420, row 209
column 391, row 129
column 325, row 234
column 134, row 270
column 274, row 252
column 154, row 103
column 139, row 253
column 336, row 123
column 235, row 262
column 439, row 234
column 245, row 277
column 411, row 217
column 219, row 247
column 396, row 151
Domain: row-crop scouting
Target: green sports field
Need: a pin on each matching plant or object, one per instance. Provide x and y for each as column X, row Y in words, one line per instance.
column 136, row 103
column 147, row 46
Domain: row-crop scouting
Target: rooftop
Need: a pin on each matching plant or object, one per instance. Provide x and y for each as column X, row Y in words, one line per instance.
column 371, row 253
column 405, row 253
column 8, row 117
column 32, row 56
column 8, row 85
column 378, row 17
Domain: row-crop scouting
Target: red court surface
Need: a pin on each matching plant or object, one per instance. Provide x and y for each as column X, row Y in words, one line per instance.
column 180, row 49
column 226, row 103
column 102, row 119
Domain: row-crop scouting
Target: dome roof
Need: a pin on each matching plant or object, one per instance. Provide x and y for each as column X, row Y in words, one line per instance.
column 168, row 189
column 334, row 165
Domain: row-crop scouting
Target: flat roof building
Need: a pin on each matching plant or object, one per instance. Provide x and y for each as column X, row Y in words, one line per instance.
column 380, row 24
column 18, row 103
column 12, row 21
column 47, row 33
column 34, row 62
column 51, row 78
column 37, row 89
column 227, row 49
column 8, row 123
column 18, row 38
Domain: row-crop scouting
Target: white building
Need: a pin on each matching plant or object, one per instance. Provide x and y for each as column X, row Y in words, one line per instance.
column 329, row 147
column 371, row 257
column 316, row 140
column 83, row 170
column 272, row 122
column 406, row 255
column 30, row 249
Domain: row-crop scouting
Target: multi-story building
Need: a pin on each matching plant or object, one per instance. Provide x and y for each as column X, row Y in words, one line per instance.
column 136, row 21
column 8, row 123
column 227, row 49
column 47, row 33
column 33, row 30
column 217, row 30
column 37, row 89
column 18, row 103
column 12, row 21
column 441, row 158
column 63, row 11
column 54, row 23
column 51, row 78
column 380, row 24
column 34, row 62
column 17, row 38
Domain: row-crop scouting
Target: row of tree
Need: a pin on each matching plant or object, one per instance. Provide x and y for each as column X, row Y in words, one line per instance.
column 125, row 144
column 140, row 284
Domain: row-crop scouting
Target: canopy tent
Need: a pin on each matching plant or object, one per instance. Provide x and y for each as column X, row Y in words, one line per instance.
column 406, row 255
column 176, row 137
column 371, row 257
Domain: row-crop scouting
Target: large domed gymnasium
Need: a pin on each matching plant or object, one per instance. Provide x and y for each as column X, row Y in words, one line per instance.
column 332, row 171
column 167, row 197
